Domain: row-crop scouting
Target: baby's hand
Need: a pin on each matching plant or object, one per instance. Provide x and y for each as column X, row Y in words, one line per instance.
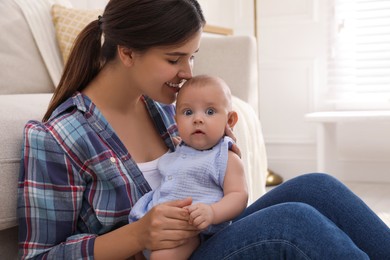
column 201, row 215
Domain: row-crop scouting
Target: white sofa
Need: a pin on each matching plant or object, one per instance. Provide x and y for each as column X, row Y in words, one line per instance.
column 29, row 75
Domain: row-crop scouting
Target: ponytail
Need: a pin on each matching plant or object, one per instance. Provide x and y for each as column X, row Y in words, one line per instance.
column 83, row 65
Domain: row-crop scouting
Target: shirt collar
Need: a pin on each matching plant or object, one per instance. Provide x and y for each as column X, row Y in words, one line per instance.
column 78, row 100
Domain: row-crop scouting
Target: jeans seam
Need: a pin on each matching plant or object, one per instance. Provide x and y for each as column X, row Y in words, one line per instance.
column 273, row 241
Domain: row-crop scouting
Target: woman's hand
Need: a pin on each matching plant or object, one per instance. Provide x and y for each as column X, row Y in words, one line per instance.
column 176, row 140
column 166, row 225
column 229, row 132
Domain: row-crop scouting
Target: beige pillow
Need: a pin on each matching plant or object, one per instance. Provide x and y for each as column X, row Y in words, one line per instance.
column 68, row 23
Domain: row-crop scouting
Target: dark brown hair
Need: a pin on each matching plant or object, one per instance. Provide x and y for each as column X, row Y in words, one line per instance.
column 136, row 24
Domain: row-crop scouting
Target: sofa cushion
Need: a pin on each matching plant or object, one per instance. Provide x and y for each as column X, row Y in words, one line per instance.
column 16, row 110
column 22, row 69
column 68, row 23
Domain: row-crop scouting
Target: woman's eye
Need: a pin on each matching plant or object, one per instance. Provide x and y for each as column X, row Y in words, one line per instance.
column 173, row 61
column 187, row 112
column 210, row 111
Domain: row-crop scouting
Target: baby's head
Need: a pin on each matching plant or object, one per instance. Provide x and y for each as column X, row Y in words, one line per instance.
column 203, row 109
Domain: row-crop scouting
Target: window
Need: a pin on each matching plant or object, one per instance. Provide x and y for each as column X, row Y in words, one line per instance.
column 359, row 55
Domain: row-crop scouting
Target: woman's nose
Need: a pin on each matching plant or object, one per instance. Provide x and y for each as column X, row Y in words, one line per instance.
column 186, row 70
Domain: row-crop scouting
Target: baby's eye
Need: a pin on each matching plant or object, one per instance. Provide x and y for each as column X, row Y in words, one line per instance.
column 187, row 112
column 210, row 111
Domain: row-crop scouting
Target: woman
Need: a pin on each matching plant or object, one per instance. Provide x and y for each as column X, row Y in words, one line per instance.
column 79, row 176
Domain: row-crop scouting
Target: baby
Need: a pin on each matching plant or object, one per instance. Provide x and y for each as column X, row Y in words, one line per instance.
column 202, row 166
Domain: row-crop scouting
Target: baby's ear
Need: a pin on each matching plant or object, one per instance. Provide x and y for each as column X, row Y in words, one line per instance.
column 232, row 118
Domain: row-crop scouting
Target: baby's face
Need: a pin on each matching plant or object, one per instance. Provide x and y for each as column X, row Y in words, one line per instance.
column 202, row 114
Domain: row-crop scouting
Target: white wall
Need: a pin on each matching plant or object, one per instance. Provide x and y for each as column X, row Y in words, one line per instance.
column 235, row 14
column 293, row 42
column 292, row 45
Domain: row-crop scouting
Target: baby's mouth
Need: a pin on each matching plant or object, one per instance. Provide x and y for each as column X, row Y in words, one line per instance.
column 198, row 132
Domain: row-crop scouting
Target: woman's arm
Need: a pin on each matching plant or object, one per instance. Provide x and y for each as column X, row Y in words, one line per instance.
column 51, row 194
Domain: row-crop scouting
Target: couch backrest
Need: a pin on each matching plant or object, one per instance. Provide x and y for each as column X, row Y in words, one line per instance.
column 234, row 59
column 22, row 69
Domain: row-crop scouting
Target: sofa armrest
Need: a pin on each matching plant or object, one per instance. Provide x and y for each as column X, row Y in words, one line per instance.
column 251, row 143
column 15, row 111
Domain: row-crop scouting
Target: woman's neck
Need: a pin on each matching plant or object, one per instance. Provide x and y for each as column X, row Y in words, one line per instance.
column 111, row 92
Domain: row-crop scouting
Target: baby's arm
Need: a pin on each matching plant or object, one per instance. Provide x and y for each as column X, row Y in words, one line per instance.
column 231, row 205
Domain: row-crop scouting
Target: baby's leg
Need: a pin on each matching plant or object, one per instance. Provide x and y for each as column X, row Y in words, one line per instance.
column 181, row 252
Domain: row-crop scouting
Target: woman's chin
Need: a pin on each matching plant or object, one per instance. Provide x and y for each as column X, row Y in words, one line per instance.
column 165, row 98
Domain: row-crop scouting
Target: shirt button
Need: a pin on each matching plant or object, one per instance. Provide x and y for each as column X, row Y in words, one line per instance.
column 183, row 156
column 112, row 159
column 170, row 177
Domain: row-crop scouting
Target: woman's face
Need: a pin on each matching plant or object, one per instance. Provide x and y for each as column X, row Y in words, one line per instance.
column 159, row 72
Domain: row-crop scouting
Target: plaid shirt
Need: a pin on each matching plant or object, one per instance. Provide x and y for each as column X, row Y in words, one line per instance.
column 77, row 180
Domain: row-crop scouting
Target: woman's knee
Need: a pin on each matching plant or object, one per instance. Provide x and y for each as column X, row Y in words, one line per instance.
column 318, row 178
column 292, row 228
column 317, row 183
column 296, row 216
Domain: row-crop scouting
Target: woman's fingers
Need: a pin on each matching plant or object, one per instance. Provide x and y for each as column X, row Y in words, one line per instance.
column 179, row 203
column 234, row 148
column 176, row 209
column 171, row 239
column 229, row 132
column 166, row 225
column 176, row 140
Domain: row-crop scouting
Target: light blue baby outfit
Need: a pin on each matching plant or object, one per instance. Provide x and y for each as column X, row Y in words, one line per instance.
column 188, row 172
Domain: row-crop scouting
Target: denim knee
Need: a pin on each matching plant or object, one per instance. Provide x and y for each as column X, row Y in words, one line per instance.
column 290, row 230
column 313, row 233
column 318, row 179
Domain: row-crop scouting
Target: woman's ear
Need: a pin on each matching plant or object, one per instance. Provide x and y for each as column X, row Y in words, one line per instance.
column 232, row 118
column 126, row 55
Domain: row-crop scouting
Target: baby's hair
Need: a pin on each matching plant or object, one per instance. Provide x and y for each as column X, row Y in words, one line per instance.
column 204, row 80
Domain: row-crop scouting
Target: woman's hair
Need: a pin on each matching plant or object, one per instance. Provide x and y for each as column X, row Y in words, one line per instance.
column 135, row 24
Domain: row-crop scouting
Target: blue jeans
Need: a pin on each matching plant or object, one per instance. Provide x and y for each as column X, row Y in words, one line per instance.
column 313, row 216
